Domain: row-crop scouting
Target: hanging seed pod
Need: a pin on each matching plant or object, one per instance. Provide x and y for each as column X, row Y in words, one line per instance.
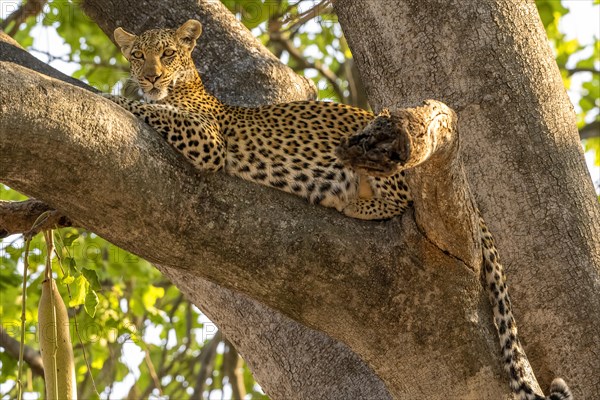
column 55, row 339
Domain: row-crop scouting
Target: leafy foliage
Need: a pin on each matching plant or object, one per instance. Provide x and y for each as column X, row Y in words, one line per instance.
column 305, row 35
column 120, row 306
column 88, row 50
column 567, row 51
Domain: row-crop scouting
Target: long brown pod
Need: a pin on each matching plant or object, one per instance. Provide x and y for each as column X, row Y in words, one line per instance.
column 54, row 336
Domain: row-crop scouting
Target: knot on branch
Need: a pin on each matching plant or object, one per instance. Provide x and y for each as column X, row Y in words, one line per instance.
column 401, row 139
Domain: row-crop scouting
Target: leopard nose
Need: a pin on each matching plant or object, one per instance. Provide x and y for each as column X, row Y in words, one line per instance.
column 152, row 78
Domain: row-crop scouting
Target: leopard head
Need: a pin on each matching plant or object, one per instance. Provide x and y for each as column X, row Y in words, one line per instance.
column 159, row 58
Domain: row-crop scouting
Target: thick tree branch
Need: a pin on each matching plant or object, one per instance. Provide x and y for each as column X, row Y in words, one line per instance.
column 24, row 217
column 11, row 51
column 423, row 141
column 239, row 70
column 338, row 275
column 521, row 151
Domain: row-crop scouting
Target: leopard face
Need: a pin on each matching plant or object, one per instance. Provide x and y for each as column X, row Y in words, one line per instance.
column 160, row 57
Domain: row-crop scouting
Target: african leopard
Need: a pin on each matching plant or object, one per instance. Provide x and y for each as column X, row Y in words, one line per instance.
column 290, row 147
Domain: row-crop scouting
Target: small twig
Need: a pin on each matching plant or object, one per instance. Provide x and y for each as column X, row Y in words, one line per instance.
column 152, row 370
column 23, row 317
column 29, row 9
column 188, row 324
column 575, row 70
column 104, row 64
column 303, row 63
column 323, row 7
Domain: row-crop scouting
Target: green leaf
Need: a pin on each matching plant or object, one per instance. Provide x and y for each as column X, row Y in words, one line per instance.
column 92, row 278
column 69, row 238
column 550, row 11
column 7, row 193
column 150, row 296
column 71, row 266
column 79, row 290
column 91, row 302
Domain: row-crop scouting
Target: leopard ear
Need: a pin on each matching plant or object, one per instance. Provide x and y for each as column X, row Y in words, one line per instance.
column 188, row 33
column 125, row 41
column 384, row 113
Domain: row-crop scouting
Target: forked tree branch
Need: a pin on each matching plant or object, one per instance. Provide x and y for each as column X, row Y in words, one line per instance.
column 314, row 265
column 521, row 151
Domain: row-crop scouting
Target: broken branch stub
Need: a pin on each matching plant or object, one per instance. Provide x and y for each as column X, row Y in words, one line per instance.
column 423, row 141
column 402, row 139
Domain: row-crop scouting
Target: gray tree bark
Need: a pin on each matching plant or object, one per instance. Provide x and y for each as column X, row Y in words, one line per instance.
column 414, row 313
column 491, row 62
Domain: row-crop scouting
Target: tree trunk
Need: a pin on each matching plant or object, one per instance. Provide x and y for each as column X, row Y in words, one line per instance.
column 522, row 152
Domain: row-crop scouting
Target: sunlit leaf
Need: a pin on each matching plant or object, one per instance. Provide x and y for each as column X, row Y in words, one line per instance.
column 92, row 278
column 91, row 302
column 7, row 193
column 151, row 295
column 79, row 290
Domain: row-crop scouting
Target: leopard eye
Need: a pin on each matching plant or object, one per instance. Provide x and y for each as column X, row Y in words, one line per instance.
column 168, row 52
column 138, row 55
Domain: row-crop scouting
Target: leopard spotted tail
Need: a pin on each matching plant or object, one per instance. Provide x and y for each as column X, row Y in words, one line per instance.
column 516, row 363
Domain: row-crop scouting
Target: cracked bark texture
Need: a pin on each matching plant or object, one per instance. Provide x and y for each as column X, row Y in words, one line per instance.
column 491, row 62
